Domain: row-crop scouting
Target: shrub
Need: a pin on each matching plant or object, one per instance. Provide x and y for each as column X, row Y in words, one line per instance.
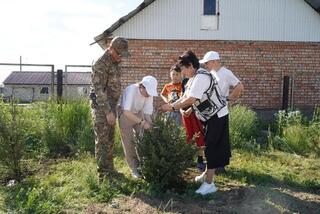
column 17, row 127
column 285, row 119
column 314, row 132
column 294, row 134
column 68, row 127
column 243, row 127
column 296, row 137
column 164, row 154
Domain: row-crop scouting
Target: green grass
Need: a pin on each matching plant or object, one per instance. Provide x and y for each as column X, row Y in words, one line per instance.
column 275, row 169
column 72, row 184
column 69, row 184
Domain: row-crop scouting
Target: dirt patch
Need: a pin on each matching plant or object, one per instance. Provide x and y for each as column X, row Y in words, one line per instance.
column 236, row 200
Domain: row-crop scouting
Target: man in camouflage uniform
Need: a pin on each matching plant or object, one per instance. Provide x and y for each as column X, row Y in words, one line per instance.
column 105, row 93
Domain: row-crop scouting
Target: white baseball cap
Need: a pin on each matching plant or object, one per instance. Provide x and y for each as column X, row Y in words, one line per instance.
column 150, row 83
column 211, row 55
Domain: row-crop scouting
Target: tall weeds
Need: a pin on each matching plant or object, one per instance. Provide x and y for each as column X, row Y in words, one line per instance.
column 68, row 128
column 243, row 127
column 295, row 134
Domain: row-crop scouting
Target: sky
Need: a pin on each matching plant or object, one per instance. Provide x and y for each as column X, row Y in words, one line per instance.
column 55, row 31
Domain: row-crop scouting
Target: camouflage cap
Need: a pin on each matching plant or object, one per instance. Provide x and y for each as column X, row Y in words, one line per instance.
column 120, row 44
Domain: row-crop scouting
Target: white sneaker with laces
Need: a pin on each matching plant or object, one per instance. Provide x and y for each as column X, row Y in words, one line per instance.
column 135, row 174
column 200, row 178
column 206, row 188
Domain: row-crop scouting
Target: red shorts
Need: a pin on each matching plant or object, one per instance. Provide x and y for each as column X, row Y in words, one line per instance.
column 193, row 126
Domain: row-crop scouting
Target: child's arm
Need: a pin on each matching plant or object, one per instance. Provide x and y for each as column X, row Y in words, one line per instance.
column 186, row 113
column 164, row 94
column 165, row 98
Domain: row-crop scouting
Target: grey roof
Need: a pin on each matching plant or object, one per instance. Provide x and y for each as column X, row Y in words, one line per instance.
column 107, row 33
column 44, row 78
column 315, row 4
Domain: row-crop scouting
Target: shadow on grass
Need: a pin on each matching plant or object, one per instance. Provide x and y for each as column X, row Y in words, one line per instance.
column 255, row 178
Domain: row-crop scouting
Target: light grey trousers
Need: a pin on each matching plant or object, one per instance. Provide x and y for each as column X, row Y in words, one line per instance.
column 128, row 129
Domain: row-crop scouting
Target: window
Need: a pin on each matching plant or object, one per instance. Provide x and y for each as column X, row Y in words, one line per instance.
column 82, row 90
column 44, row 90
column 209, row 7
column 210, row 17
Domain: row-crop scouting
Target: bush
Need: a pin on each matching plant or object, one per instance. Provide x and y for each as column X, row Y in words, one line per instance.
column 164, row 154
column 17, row 127
column 243, row 127
column 294, row 134
column 68, row 128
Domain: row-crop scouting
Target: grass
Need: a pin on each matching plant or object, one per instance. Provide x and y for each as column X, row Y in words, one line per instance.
column 56, row 185
column 72, row 184
column 275, row 169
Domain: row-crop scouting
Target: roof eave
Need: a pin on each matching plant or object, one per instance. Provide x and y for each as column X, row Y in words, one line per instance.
column 101, row 38
column 315, row 4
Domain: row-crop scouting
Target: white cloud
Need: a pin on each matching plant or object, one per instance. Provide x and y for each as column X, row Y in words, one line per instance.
column 55, row 31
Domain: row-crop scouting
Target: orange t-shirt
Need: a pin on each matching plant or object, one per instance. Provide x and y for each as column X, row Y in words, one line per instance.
column 172, row 91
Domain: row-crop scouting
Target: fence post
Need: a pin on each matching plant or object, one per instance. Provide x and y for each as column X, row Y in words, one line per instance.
column 285, row 93
column 59, row 85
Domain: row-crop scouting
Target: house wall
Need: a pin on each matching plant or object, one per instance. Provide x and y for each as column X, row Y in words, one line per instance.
column 30, row 93
column 257, row 20
column 76, row 91
column 27, row 93
column 259, row 65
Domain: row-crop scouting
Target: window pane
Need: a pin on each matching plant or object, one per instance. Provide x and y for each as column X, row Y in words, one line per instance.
column 209, row 7
column 44, row 90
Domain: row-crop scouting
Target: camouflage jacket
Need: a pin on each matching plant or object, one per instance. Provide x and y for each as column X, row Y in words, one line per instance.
column 106, row 84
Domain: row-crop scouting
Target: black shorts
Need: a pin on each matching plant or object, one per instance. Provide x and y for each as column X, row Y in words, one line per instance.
column 217, row 151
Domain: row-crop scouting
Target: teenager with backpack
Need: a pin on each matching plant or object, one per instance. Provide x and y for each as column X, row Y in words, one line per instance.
column 204, row 96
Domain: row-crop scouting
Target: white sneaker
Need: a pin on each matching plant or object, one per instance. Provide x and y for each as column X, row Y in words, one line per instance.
column 206, row 188
column 200, row 178
column 135, row 174
column 200, row 188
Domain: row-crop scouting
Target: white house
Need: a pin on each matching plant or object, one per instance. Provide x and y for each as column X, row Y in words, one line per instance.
column 260, row 40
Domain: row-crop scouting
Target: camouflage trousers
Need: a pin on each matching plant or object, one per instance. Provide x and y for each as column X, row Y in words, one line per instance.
column 104, row 142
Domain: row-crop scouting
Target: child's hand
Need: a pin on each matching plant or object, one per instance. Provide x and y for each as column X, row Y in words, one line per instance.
column 186, row 113
column 146, row 125
column 165, row 108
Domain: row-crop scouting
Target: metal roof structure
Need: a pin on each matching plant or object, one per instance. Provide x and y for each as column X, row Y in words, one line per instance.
column 44, row 78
